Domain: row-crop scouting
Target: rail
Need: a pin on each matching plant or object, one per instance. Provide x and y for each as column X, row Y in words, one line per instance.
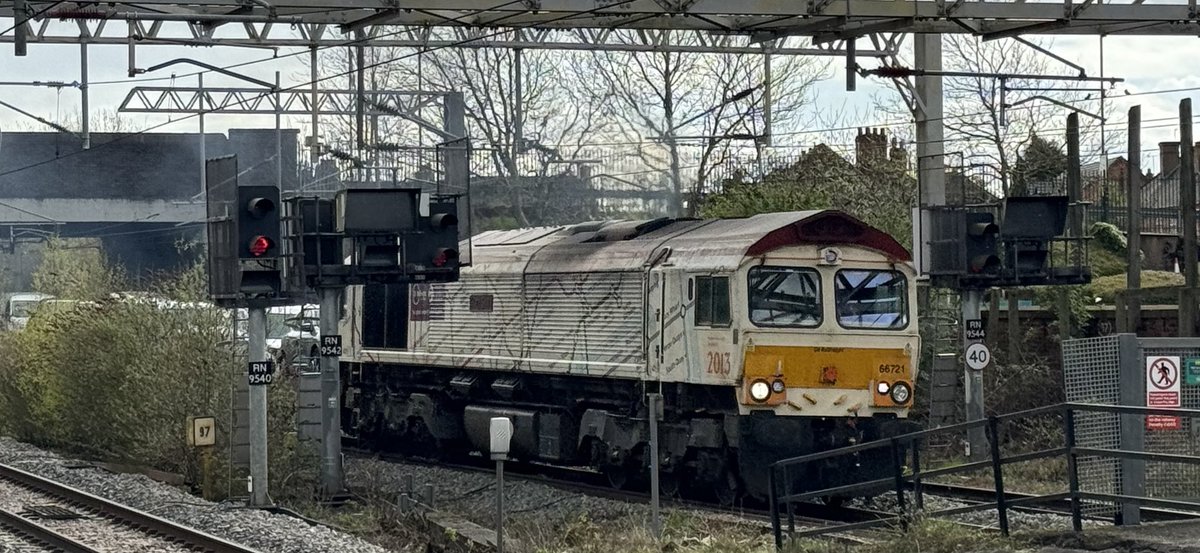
column 193, row 539
column 907, row 472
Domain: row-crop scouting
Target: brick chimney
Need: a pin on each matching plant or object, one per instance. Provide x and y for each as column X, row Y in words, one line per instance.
column 871, row 147
column 1168, row 155
column 898, row 155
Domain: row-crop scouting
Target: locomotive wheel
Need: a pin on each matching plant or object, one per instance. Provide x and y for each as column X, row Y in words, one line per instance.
column 668, row 484
column 616, row 476
column 726, row 489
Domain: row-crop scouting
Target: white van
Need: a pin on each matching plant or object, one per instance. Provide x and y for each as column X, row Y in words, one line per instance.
column 292, row 330
column 17, row 308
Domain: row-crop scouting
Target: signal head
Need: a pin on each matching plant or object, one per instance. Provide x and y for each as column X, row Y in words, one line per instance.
column 260, row 245
column 442, row 221
column 260, row 207
column 445, row 256
column 985, row 264
column 982, row 229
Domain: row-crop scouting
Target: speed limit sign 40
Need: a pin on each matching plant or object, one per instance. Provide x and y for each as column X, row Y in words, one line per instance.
column 978, row 356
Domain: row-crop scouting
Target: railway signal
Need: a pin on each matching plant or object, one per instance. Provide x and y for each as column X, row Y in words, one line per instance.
column 434, row 252
column 258, row 239
column 258, row 221
column 980, row 245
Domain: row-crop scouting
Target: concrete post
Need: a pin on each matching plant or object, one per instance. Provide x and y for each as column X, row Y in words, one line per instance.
column 257, row 330
column 278, row 136
column 85, row 123
column 314, row 148
column 972, row 301
column 518, row 85
column 931, row 165
column 331, row 405
column 203, row 145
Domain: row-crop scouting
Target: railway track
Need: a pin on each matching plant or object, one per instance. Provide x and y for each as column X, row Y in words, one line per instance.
column 588, row 482
column 48, row 516
column 1061, row 507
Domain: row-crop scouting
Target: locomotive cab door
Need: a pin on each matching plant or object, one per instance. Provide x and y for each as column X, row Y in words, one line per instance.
column 711, row 321
column 655, row 314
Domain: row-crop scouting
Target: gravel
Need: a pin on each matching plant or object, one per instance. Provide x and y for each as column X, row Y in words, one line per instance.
column 267, row 532
column 1017, row 520
column 471, row 494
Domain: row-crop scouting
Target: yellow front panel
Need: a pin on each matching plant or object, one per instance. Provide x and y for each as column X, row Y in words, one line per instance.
column 827, row 367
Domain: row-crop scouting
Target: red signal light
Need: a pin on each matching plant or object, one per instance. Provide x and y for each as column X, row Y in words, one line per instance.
column 444, row 256
column 259, row 246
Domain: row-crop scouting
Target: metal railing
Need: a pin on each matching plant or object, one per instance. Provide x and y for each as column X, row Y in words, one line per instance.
column 907, row 472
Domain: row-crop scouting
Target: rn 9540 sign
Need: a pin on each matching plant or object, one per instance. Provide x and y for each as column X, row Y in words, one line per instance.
column 261, row 373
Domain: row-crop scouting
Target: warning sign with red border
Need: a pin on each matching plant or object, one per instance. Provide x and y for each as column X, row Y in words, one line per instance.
column 1163, row 391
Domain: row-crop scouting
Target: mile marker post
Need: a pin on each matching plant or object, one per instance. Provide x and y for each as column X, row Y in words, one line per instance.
column 501, row 434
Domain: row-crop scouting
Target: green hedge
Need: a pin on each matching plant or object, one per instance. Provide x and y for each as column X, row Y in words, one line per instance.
column 117, row 379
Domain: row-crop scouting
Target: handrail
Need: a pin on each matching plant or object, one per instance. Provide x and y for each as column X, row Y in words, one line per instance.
column 782, row 492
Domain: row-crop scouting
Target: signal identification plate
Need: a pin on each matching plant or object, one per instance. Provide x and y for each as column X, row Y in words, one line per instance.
column 261, row 373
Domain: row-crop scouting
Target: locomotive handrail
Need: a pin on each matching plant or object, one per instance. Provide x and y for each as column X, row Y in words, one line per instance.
column 782, row 494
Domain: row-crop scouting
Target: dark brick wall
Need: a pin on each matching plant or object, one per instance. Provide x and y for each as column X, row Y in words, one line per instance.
column 145, row 166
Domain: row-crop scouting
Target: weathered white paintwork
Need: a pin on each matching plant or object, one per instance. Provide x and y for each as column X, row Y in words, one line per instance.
column 620, row 308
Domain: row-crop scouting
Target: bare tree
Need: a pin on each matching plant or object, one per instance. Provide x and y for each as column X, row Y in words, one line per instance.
column 524, row 111
column 990, row 118
column 697, row 102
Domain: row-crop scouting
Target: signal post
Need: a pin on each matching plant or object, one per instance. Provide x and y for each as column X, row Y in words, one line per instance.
column 256, row 261
column 973, row 252
column 364, row 236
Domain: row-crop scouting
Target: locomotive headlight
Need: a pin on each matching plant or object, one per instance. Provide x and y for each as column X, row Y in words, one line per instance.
column 901, row 393
column 760, row 390
column 778, row 387
column 883, row 388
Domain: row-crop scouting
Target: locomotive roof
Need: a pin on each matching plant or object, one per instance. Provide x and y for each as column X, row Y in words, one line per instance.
column 709, row 244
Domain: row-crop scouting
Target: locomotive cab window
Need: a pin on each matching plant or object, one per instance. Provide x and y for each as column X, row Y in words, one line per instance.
column 785, row 296
column 712, row 301
column 871, row 299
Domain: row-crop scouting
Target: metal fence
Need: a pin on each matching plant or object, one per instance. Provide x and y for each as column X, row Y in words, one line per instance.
column 1112, row 370
column 910, row 472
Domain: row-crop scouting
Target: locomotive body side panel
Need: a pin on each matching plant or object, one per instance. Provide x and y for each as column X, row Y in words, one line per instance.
column 586, row 323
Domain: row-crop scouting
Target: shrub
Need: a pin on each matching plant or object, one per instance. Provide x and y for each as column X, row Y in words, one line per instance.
column 116, row 379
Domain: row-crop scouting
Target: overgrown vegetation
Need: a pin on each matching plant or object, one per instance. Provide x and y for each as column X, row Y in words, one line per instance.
column 115, row 376
column 923, row 536
column 881, row 194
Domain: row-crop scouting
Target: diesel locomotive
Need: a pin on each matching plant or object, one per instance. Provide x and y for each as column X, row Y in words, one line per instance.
column 768, row 337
